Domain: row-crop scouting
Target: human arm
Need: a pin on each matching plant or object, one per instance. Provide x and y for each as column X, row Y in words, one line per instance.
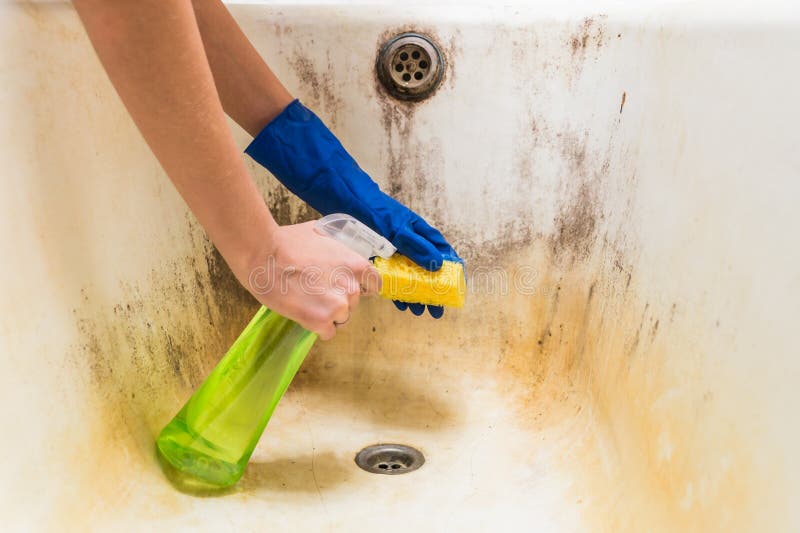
column 301, row 151
column 154, row 56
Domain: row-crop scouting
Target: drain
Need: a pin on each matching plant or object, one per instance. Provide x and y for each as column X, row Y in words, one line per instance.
column 389, row 459
column 410, row 66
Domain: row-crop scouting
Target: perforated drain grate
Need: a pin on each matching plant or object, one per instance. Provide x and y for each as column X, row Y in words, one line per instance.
column 389, row 459
column 410, row 66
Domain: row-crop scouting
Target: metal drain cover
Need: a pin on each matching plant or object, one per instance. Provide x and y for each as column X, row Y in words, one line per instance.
column 410, row 66
column 390, row 459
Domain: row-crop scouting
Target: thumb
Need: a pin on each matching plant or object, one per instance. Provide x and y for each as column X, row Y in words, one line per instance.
column 418, row 249
column 431, row 234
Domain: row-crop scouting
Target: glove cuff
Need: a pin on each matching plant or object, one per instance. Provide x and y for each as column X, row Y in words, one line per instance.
column 304, row 155
column 295, row 146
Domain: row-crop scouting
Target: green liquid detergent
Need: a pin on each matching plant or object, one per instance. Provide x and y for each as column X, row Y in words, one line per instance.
column 212, row 437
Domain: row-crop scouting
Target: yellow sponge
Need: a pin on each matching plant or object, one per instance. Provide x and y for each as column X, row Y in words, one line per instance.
column 406, row 281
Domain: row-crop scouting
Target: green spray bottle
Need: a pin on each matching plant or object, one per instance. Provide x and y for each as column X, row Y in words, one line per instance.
column 213, row 435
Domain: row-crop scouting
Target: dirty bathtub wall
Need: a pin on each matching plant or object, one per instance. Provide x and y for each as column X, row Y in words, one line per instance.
column 618, row 161
column 624, row 206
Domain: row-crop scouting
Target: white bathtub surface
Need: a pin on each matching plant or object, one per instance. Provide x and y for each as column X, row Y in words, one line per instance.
column 623, row 181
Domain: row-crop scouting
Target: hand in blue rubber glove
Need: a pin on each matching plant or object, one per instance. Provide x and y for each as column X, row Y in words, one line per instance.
column 311, row 162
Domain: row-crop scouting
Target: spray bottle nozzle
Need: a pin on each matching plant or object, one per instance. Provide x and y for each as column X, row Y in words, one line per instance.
column 355, row 235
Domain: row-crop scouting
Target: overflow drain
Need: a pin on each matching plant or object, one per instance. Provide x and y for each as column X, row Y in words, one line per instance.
column 410, row 66
column 389, row 459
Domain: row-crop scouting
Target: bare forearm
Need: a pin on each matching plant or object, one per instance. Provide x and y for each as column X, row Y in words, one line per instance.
column 250, row 93
column 154, row 56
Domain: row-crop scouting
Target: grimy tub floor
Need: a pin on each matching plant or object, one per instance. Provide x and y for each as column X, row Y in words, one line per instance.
column 622, row 184
column 496, row 455
column 498, row 448
column 516, row 435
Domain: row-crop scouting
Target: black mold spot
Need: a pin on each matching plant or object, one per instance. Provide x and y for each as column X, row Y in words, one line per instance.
column 552, row 312
column 397, row 119
column 409, row 162
column 162, row 339
column 286, row 208
column 318, row 85
column 575, row 227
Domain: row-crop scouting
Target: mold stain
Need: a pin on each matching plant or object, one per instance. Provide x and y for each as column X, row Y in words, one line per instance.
column 141, row 357
column 144, row 355
column 590, row 36
column 450, row 55
column 582, row 360
column 581, row 356
column 575, row 227
column 580, row 212
column 286, row 208
column 584, row 43
column 164, row 337
column 584, row 172
column 412, row 166
column 587, row 160
column 532, row 134
column 318, row 84
column 591, row 349
column 409, row 164
column 397, row 119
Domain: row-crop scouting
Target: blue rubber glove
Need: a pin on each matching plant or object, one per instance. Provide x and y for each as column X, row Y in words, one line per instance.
column 310, row 161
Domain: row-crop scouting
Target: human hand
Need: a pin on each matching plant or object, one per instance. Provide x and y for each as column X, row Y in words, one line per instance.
column 310, row 278
column 420, row 242
column 308, row 158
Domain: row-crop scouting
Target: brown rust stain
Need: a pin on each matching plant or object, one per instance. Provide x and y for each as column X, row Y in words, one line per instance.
column 584, row 43
column 622, row 101
column 587, row 359
column 590, row 35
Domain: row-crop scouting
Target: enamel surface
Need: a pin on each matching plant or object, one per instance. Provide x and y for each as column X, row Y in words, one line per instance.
column 622, row 184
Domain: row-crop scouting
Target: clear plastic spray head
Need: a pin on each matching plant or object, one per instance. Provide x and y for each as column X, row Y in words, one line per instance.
column 355, row 235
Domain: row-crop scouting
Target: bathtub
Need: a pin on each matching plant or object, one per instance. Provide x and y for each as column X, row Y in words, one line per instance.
column 623, row 183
